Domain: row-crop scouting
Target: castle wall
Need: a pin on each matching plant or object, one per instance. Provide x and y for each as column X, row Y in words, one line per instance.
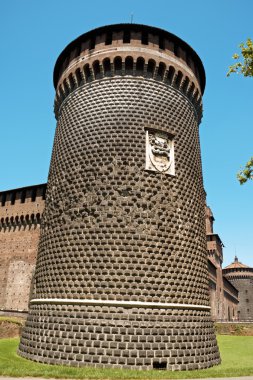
column 213, row 289
column 230, row 301
column 223, row 295
column 20, row 215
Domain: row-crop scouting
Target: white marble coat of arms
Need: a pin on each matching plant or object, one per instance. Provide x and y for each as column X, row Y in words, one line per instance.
column 159, row 152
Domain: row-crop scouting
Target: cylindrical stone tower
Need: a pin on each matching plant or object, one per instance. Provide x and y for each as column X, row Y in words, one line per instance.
column 241, row 276
column 121, row 275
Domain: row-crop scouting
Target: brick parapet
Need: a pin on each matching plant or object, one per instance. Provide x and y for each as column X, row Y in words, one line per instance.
column 20, row 218
column 233, row 273
column 22, row 205
column 110, row 37
column 90, row 58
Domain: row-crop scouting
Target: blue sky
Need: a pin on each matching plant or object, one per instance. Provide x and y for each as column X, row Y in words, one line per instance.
column 34, row 32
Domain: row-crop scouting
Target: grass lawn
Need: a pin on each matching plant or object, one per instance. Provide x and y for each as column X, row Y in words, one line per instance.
column 236, row 352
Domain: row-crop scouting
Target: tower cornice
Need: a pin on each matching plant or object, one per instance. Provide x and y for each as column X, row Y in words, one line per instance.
column 163, row 40
column 124, row 50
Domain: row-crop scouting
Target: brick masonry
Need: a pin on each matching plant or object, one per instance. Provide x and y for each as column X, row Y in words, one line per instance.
column 20, row 215
column 113, row 231
column 223, row 294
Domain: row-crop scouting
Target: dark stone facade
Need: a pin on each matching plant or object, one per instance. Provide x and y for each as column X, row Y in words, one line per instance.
column 20, row 217
column 121, row 276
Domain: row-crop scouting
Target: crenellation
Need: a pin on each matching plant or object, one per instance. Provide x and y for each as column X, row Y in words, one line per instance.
column 137, row 40
column 19, row 235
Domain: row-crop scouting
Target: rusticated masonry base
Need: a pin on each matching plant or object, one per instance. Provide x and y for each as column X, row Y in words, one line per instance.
column 120, row 337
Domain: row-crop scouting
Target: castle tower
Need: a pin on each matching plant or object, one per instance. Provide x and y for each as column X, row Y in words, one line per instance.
column 121, row 276
column 241, row 276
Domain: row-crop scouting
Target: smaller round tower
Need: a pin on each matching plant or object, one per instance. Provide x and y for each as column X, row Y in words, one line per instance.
column 241, row 276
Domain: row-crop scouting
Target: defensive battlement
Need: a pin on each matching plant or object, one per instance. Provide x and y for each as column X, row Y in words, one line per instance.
column 22, row 195
column 236, row 273
column 22, row 206
column 130, row 49
column 238, row 270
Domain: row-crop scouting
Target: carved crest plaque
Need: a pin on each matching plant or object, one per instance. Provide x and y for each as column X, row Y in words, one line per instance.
column 159, row 152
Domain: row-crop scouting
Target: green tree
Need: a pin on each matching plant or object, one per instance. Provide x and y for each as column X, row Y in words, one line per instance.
column 244, row 66
column 244, row 61
column 246, row 173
